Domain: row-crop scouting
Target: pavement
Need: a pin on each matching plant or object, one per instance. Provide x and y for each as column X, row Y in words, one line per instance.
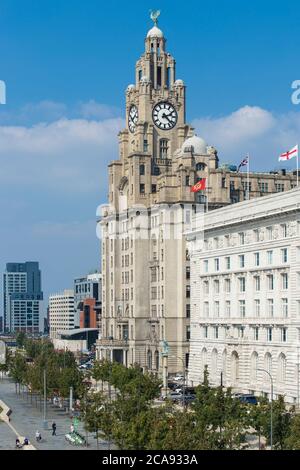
column 27, row 418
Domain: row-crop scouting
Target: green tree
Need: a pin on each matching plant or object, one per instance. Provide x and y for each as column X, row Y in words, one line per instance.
column 282, row 418
column 18, row 370
column 21, row 339
column 292, row 441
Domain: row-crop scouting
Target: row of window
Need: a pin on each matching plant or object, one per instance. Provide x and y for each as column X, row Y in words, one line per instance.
column 281, row 232
column 268, row 310
column 255, row 333
column 244, row 261
column 227, row 284
column 235, row 360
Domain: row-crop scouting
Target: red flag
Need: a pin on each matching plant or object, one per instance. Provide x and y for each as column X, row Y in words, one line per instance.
column 200, row 186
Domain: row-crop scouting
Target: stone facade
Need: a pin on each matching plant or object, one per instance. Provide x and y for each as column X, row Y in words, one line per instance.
column 146, row 279
column 245, row 296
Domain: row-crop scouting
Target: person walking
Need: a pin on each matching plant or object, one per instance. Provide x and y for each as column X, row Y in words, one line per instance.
column 53, row 429
column 38, row 436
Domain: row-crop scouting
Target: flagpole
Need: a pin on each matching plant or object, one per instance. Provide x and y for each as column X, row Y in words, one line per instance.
column 298, row 166
column 207, row 188
column 248, row 176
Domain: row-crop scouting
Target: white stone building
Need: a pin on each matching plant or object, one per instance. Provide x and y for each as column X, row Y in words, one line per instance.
column 245, row 296
column 146, row 280
column 61, row 313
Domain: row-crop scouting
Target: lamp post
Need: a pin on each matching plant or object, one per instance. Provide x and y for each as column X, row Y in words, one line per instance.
column 45, row 423
column 272, row 388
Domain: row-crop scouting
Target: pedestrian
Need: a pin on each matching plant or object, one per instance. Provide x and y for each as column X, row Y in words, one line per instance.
column 38, row 436
column 72, row 429
column 18, row 444
column 53, row 429
column 26, row 442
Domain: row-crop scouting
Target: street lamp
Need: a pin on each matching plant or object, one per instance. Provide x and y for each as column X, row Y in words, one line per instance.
column 45, row 423
column 272, row 388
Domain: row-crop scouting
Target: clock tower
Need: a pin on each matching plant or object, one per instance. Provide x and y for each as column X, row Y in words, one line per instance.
column 146, row 281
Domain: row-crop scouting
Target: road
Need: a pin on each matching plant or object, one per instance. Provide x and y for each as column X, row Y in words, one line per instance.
column 26, row 419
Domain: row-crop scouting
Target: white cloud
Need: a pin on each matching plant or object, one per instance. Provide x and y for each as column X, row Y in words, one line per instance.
column 251, row 129
column 66, row 155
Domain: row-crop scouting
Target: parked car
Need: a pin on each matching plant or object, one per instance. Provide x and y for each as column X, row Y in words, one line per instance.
column 172, row 386
column 247, row 398
column 179, row 378
column 186, row 399
column 173, row 396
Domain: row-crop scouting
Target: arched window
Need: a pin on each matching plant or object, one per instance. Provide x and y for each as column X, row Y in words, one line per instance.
column 163, row 148
column 214, row 364
column 156, row 360
column 282, row 368
column 203, row 360
column 200, row 167
column 149, row 360
column 235, row 372
column 253, row 367
column 224, row 366
column 268, row 363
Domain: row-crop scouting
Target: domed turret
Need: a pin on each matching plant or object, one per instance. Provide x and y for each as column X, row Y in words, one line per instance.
column 155, row 32
column 197, row 144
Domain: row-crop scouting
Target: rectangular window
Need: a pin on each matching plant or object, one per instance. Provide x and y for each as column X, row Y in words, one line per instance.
column 270, row 233
column 217, row 309
column 269, row 334
column 188, row 292
column 206, row 287
column 188, row 311
column 242, row 261
column 270, row 303
column 283, row 335
column 217, row 264
column 217, row 287
column 285, row 281
column 256, row 259
column 285, row 308
column 228, row 309
column 257, row 308
column 257, row 283
column 142, row 188
column 227, row 286
column 242, row 281
column 163, row 149
column 159, row 77
column 228, row 262
column 205, row 263
column 284, row 255
column 242, row 238
column 284, row 230
column 242, row 308
column 188, row 333
column 270, row 280
column 270, row 257
column 206, row 309
column 256, row 334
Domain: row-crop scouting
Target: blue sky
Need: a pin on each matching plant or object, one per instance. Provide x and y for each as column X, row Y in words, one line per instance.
column 66, row 66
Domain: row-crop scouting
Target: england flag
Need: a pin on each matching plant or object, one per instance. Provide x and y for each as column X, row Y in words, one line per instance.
column 289, row 155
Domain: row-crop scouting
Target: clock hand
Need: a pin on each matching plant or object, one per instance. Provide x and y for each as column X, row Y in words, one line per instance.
column 167, row 117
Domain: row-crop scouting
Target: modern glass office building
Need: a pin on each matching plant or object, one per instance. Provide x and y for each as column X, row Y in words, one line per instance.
column 22, row 298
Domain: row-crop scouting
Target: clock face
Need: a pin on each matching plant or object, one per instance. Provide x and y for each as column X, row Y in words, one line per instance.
column 165, row 116
column 133, row 118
